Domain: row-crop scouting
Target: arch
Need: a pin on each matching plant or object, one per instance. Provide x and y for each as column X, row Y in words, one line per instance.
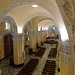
column 24, row 3
column 31, row 3
column 29, row 18
column 44, row 5
column 49, row 22
column 12, row 23
column 56, row 30
column 43, row 19
column 50, row 27
column 46, row 19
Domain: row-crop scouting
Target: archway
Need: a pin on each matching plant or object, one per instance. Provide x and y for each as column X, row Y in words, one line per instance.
column 50, row 10
column 54, row 11
column 9, row 29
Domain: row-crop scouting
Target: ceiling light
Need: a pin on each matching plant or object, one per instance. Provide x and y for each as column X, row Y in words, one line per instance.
column 34, row 5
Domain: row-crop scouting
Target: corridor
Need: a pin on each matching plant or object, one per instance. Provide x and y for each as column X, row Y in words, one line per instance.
column 29, row 30
column 10, row 70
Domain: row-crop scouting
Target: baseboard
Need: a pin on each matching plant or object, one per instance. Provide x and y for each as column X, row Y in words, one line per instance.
column 18, row 66
column 2, row 59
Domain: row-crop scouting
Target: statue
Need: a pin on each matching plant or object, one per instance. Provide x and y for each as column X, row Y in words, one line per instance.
column 53, row 34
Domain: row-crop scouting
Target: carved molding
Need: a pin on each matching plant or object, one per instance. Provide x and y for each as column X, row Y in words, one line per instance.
column 67, row 56
column 15, row 5
column 17, row 37
column 32, row 33
column 68, row 8
column 12, row 23
column 65, row 46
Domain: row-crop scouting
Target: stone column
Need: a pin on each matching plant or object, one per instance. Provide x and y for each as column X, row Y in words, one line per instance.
column 42, row 39
column 61, row 67
column 44, row 36
column 63, row 64
column 25, row 39
column 18, row 48
column 32, row 41
column 39, row 39
column 66, row 67
column 66, row 64
column 70, row 68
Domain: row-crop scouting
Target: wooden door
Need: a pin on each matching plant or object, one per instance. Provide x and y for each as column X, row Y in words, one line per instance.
column 8, row 47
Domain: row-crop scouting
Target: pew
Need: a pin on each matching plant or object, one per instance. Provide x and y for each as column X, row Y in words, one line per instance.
column 29, row 67
column 40, row 52
column 49, row 68
column 53, row 53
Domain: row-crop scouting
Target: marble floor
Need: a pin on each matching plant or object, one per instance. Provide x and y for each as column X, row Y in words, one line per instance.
column 10, row 70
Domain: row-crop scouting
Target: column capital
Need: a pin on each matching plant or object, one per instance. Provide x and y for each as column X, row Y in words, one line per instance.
column 18, row 36
column 39, row 32
column 32, row 33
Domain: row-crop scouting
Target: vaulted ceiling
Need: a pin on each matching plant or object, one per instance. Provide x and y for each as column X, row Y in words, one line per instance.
column 22, row 12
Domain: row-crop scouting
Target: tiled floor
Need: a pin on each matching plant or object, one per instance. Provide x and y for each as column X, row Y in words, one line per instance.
column 10, row 70
column 7, row 69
